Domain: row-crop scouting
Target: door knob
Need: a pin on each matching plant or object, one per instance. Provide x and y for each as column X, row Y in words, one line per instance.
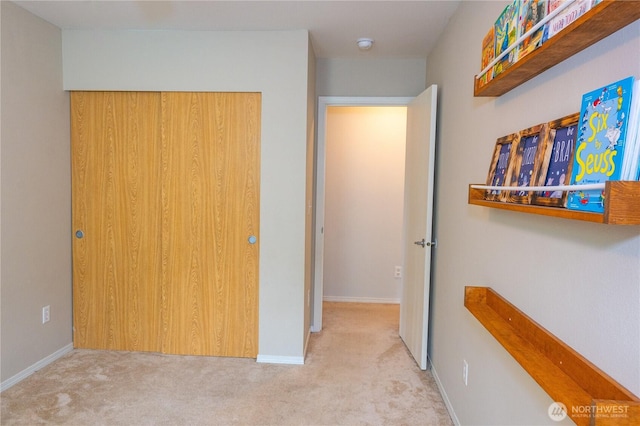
column 79, row 234
column 252, row 239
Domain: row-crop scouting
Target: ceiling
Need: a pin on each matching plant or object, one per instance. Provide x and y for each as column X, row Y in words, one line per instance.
column 401, row 29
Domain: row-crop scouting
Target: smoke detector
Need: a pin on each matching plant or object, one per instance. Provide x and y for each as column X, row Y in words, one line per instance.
column 365, row 43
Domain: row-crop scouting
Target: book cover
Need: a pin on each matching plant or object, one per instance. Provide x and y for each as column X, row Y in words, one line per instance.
column 559, row 161
column 564, row 18
column 506, row 34
column 488, row 54
column 600, row 146
column 531, row 12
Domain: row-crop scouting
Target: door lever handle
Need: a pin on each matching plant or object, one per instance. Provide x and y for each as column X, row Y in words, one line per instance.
column 423, row 243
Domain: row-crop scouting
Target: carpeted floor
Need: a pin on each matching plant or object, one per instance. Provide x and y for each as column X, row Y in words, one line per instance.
column 357, row 372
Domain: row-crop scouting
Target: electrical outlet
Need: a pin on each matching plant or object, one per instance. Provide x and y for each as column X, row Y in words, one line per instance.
column 397, row 273
column 465, row 371
column 46, row 314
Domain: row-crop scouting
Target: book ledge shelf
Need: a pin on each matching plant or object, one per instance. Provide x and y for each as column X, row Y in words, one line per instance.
column 601, row 21
column 622, row 205
column 591, row 397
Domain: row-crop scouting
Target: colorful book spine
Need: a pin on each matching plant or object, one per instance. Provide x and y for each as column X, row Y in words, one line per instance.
column 600, row 147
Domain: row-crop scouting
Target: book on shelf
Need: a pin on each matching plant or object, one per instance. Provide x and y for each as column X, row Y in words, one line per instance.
column 531, row 12
column 602, row 142
column 566, row 17
column 631, row 163
column 506, row 34
column 488, row 54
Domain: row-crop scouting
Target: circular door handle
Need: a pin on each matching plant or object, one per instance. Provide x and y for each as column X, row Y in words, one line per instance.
column 252, row 239
column 79, row 234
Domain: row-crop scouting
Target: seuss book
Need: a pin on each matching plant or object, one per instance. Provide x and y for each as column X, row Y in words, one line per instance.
column 602, row 130
column 506, row 34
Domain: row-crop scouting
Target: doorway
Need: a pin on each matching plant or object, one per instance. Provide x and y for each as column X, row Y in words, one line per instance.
column 359, row 202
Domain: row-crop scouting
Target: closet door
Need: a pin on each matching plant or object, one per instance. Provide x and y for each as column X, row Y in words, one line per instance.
column 210, row 223
column 116, row 220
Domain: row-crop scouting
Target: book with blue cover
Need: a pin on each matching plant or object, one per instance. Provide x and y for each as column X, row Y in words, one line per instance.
column 601, row 143
column 506, row 34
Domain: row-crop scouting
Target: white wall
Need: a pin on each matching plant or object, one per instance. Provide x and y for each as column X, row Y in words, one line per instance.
column 36, row 195
column 275, row 63
column 579, row 280
column 364, row 182
column 370, row 77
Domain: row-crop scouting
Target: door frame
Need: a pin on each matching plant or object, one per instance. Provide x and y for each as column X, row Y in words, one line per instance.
column 323, row 103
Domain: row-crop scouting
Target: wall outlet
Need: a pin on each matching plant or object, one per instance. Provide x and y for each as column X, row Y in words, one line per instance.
column 46, row 314
column 465, row 371
column 397, row 273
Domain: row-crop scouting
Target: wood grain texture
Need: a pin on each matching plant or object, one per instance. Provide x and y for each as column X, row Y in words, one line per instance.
column 519, row 156
column 210, row 206
column 166, row 190
column 513, row 140
column 115, row 194
column 622, row 203
column 563, row 373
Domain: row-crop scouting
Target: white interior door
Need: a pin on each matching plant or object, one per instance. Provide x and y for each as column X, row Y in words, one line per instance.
column 418, row 218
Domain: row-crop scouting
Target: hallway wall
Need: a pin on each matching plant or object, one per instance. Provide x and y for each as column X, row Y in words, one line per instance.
column 365, row 148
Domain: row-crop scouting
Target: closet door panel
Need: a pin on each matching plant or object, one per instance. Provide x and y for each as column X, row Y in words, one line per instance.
column 210, row 209
column 116, row 220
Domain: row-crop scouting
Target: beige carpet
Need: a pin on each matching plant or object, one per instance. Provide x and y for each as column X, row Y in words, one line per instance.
column 357, row 372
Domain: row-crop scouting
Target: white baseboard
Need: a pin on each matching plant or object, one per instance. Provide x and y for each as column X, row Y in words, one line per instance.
column 35, row 367
column 445, row 398
column 360, row 299
column 276, row 359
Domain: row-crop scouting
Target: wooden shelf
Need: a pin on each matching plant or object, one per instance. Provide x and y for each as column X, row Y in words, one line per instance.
column 599, row 22
column 622, row 205
column 562, row 372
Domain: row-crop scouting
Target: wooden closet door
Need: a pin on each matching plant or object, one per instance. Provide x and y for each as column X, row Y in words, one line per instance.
column 210, row 209
column 116, row 218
